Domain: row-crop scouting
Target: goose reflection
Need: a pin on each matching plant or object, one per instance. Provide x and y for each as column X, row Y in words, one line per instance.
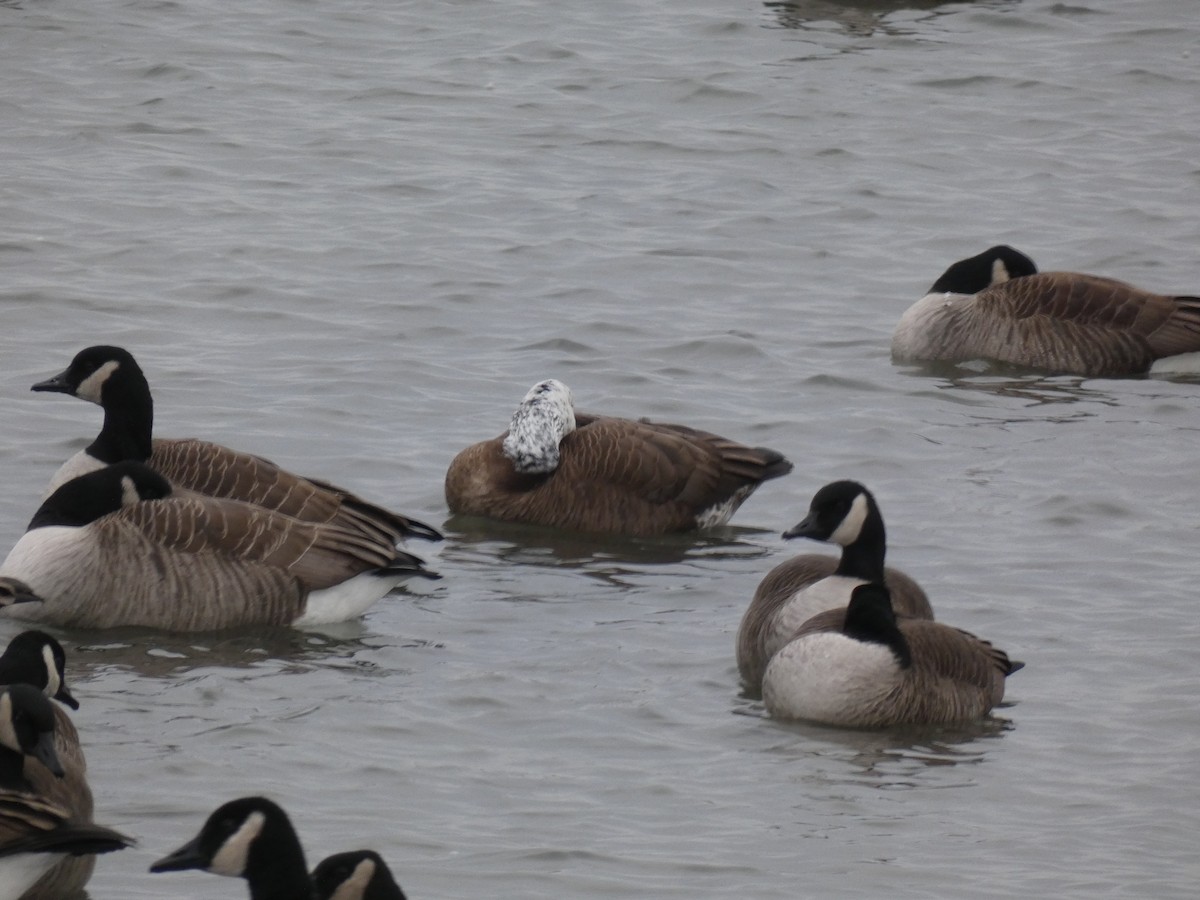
column 859, row 17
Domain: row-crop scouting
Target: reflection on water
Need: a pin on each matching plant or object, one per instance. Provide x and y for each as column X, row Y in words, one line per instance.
column 861, row 17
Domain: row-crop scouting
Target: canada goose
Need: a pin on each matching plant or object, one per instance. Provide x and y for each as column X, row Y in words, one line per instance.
column 116, row 547
column 562, row 468
column 36, row 832
column 15, row 591
column 861, row 667
column 109, row 377
column 250, row 838
column 842, row 512
column 357, row 875
column 35, row 658
column 997, row 306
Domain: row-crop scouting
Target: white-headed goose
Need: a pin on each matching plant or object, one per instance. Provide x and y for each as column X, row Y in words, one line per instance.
column 36, row 832
column 117, row 547
column 357, row 875
column 861, row 667
column 997, row 306
column 109, row 377
column 844, row 513
column 558, row 467
column 37, row 659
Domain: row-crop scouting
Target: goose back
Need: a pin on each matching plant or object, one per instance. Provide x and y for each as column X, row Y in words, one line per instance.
column 1063, row 322
column 616, row 476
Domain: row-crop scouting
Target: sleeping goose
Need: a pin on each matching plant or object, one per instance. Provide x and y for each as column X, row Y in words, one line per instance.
column 997, row 306
column 35, row 658
column 119, row 547
column 109, row 377
column 861, row 667
column 357, row 875
column 558, row 467
column 845, row 513
column 35, row 831
column 250, row 838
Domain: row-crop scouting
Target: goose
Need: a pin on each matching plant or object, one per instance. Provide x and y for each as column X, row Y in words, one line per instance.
column 861, row 667
column 118, row 547
column 997, row 306
column 558, row 467
column 36, row 832
column 111, row 378
column 357, row 875
column 13, row 591
column 845, row 513
column 37, row 659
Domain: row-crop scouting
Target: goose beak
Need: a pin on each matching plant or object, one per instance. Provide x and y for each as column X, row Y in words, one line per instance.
column 43, row 751
column 13, row 591
column 58, row 384
column 64, row 697
column 189, row 856
column 806, row 529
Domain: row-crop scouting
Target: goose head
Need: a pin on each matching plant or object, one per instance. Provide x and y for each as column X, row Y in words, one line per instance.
column 84, row 499
column 544, row 418
column 34, row 657
column 841, row 513
column 27, row 725
column 96, row 374
column 357, row 875
column 993, row 266
column 13, row 591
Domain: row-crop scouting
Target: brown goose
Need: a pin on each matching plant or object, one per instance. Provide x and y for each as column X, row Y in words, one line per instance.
column 117, row 547
column 861, row 667
column 37, row 659
column 997, row 306
column 35, row 831
column 567, row 469
column 845, row 513
column 109, row 377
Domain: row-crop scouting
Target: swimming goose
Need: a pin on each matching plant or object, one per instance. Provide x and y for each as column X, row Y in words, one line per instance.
column 997, row 306
column 109, row 377
column 842, row 512
column 119, row 547
column 37, row 659
column 559, row 467
column 357, row 875
column 36, row 832
column 861, row 667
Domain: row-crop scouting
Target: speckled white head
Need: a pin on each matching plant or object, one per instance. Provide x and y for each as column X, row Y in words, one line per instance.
column 231, row 858
column 851, row 525
column 545, row 417
column 90, row 388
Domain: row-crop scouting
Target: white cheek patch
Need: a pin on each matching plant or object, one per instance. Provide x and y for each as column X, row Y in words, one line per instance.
column 850, row 527
column 999, row 272
column 129, row 492
column 544, row 418
column 355, row 887
column 53, row 680
column 89, row 389
column 8, row 735
column 231, row 858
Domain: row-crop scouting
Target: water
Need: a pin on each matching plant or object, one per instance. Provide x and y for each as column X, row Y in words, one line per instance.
column 350, row 236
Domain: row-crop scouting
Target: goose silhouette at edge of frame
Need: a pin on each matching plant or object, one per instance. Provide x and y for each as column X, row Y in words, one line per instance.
column 562, row 468
column 843, row 513
column 997, row 306
column 112, row 379
column 118, row 547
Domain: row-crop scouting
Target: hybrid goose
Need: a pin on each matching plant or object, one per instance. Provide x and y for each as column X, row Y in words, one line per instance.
column 997, row 306
column 118, row 547
column 35, row 658
column 861, row 667
column 844, row 513
column 558, row 467
column 253, row 838
column 35, row 832
column 109, row 377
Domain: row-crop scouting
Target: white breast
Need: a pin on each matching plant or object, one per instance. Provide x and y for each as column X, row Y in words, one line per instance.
column 829, row 677
column 37, row 559
column 79, row 464
column 917, row 333
column 18, row 873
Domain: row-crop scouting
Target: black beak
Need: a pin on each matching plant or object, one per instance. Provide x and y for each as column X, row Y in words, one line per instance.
column 13, row 591
column 58, row 384
column 43, row 751
column 64, row 697
column 186, row 857
column 806, row 529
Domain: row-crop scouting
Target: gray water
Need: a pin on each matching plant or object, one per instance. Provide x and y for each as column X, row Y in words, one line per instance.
column 349, row 236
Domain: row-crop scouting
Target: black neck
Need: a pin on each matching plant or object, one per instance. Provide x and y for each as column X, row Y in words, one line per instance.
column 277, row 870
column 128, row 419
column 864, row 558
column 870, row 618
column 12, row 770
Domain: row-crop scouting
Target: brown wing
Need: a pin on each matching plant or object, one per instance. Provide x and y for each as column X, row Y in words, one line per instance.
column 319, row 556
column 956, row 665
column 34, row 824
column 1079, row 323
column 217, row 471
